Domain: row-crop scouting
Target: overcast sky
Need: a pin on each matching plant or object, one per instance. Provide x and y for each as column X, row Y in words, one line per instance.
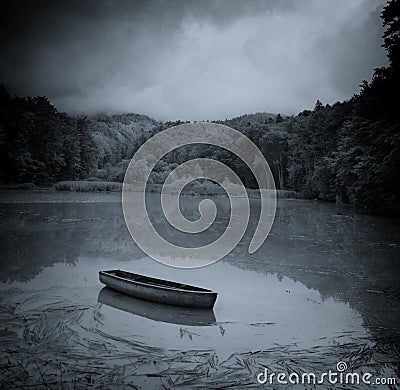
column 186, row 59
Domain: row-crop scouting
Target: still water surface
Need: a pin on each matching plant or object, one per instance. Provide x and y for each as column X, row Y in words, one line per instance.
column 326, row 277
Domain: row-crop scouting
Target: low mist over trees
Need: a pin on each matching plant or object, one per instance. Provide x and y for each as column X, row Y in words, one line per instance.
column 347, row 152
column 41, row 145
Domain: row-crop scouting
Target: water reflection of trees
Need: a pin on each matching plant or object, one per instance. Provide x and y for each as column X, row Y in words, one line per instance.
column 189, row 207
column 341, row 254
column 344, row 255
column 37, row 236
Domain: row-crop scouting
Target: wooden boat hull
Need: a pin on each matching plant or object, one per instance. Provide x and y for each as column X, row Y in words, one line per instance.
column 156, row 311
column 158, row 290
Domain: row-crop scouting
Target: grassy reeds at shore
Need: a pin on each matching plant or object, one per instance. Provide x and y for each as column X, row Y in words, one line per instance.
column 192, row 188
column 59, row 344
column 110, row 186
column 88, row 186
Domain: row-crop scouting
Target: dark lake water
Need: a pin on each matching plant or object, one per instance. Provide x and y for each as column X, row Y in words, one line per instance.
column 322, row 289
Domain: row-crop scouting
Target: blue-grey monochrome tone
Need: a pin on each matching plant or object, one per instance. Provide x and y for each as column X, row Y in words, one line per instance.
column 199, row 194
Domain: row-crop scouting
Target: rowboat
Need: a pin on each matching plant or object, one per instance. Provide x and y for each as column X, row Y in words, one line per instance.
column 156, row 311
column 158, row 290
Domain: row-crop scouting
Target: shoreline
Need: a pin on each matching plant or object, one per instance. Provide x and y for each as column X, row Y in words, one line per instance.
column 107, row 186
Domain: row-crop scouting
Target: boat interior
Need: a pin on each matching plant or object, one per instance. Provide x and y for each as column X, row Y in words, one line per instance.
column 154, row 281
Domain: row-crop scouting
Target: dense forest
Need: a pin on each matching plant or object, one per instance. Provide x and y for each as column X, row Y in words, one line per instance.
column 347, row 152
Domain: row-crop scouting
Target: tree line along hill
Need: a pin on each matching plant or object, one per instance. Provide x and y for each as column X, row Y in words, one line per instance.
column 347, row 152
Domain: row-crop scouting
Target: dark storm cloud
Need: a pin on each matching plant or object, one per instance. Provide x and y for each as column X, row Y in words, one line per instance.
column 189, row 59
